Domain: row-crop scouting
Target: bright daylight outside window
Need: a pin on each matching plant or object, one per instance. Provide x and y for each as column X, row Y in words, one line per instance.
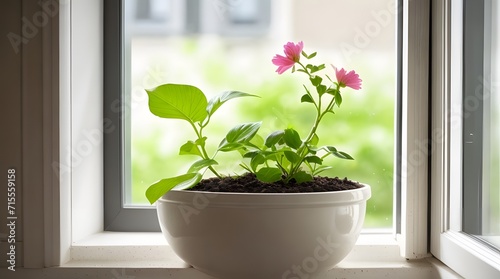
column 482, row 121
column 220, row 45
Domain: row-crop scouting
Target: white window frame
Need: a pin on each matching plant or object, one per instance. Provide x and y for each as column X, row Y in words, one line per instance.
column 449, row 244
column 82, row 242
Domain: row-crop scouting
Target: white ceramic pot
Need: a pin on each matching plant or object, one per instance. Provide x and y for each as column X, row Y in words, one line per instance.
column 259, row 236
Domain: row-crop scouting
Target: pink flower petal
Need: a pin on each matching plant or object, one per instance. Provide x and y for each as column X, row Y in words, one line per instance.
column 283, row 63
column 292, row 55
column 349, row 79
column 293, row 51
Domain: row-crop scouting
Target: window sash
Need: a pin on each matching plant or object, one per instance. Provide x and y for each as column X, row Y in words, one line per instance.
column 458, row 250
column 116, row 144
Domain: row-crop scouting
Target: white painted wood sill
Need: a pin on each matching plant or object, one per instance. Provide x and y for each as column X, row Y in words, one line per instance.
column 113, row 255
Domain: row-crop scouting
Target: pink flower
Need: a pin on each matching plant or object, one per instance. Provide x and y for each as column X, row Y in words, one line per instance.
column 292, row 53
column 350, row 79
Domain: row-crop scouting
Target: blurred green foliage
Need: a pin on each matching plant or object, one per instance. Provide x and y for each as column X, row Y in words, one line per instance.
column 362, row 126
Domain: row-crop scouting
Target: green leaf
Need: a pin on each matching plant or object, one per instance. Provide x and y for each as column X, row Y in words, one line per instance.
column 312, row 149
column 321, row 169
column 250, row 154
column 189, row 148
column 270, row 155
column 302, row 176
column 321, row 89
column 338, row 98
column 292, row 156
column 224, row 146
column 317, row 68
column 342, row 155
column 178, row 101
column 274, row 138
column 257, row 141
column 332, row 150
column 316, row 80
column 312, row 55
column 269, row 175
column 292, row 138
column 306, row 99
column 243, row 132
column 239, row 135
column 200, row 164
column 314, row 140
column 201, row 141
column 314, row 159
column 331, row 91
column 256, row 161
column 160, row 188
column 217, row 101
column 329, row 148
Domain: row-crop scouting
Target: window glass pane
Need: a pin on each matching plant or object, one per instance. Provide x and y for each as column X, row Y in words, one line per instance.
column 481, row 196
column 491, row 139
column 245, row 12
column 214, row 61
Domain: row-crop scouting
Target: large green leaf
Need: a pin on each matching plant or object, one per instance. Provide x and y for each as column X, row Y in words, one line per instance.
column 292, row 138
column 189, row 148
column 200, row 164
column 292, row 156
column 302, row 176
column 178, row 101
column 274, row 138
column 160, row 188
column 251, row 154
column 332, row 150
column 314, row 160
column 224, row 146
column 269, row 174
column 342, row 155
column 256, row 161
column 238, row 135
column 219, row 100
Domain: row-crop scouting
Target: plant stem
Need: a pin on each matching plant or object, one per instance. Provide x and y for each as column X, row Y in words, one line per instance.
column 302, row 151
column 201, row 147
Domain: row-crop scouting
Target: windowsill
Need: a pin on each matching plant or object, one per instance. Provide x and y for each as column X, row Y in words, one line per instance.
column 121, row 255
column 374, row 255
column 122, row 249
column 429, row 268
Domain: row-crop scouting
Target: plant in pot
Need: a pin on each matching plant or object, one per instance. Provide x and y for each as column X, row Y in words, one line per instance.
column 280, row 218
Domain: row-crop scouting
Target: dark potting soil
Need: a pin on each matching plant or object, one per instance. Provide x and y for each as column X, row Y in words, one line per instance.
column 248, row 183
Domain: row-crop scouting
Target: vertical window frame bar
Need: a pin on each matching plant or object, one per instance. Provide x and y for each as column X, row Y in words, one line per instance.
column 473, row 72
column 116, row 216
